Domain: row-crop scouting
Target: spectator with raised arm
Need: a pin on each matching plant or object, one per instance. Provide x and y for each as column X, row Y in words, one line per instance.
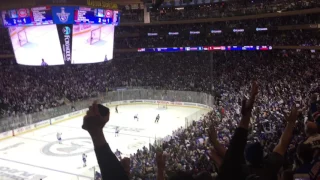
column 111, row 168
column 234, row 161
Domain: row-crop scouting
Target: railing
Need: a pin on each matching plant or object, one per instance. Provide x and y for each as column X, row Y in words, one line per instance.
column 18, row 121
column 194, row 117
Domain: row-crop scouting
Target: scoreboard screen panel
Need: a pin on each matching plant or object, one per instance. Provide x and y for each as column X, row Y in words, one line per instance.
column 25, row 16
column 16, row 17
column 42, row 15
column 87, row 15
column 35, row 45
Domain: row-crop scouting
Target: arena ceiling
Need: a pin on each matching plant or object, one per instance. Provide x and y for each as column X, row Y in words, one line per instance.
column 126, row 2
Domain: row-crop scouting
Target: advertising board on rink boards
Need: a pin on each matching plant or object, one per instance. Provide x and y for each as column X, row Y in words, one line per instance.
column 23, row 129
column 6, row 134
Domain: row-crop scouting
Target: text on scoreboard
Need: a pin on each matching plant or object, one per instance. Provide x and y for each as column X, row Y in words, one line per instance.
column 89, row 15
column 24, row 16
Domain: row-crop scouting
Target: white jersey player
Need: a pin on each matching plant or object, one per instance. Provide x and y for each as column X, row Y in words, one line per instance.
column 59, row 137
column 157, row 119
column 84, row 159
column 136, row 117
column 117, row 131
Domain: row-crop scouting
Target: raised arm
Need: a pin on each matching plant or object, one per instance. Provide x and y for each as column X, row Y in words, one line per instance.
column 220, row 149
column 286, row 136
column 161, row 160
column 234, row 157
column 111, row 168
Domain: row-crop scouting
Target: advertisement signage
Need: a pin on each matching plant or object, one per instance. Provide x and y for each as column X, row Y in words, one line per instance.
column 65, row 36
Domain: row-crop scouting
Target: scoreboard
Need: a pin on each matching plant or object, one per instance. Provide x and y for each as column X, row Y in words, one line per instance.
column 89, row 15
column 56, row 35
column 23, row 16
column 46, row 15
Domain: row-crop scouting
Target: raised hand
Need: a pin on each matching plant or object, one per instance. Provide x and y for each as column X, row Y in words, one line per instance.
column 125, row 162
column 93, row 121
column 293, row 116
column 213, row 137
column 247, row 105
column 212, row 134
column 161, row 160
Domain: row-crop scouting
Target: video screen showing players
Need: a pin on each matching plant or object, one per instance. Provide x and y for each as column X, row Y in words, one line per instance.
column 92, row 43
column 36, row 45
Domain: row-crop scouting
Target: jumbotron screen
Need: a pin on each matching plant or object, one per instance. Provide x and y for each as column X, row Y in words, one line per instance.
column 57, row 35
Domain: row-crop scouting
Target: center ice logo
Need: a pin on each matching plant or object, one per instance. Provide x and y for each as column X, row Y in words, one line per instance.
column 69, row 147
column 63, row 16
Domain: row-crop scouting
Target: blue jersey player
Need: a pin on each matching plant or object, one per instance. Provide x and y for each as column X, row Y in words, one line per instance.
column 84, row 159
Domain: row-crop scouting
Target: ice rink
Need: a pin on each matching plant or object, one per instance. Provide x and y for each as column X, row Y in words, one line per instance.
column 99, row 51
column 39, row 40
column 37, row 154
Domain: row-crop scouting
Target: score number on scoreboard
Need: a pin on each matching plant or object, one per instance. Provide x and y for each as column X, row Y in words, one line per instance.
column 87, row 15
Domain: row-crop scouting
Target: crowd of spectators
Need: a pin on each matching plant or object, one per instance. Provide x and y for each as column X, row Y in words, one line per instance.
column 158, row 35
column 282, row 109
column 137, row 36
column 5, row 45
column 208, row 26
column 216, row 10
column 274, row 38
column 26, row 89
column 285, row 79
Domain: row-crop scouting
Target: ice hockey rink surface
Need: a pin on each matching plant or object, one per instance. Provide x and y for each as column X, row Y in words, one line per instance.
column 37, row 155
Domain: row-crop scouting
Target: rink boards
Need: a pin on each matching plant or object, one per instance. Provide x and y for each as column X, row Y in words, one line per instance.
column 37, row 154
column 44, row 123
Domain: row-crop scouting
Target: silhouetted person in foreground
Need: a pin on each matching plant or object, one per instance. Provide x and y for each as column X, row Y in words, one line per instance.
column 111, row 168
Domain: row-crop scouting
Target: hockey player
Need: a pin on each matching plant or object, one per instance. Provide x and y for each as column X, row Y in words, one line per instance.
column 117, row 131
column 84, row 159
column 59, row 137
column 97, row 176
column 118, row 154
column 117, row 109
column 157, row 119
column 136, row 117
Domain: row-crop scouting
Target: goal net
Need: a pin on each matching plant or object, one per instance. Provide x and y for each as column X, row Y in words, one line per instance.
column 162, row 106
column 95, row 36
column 22, row 37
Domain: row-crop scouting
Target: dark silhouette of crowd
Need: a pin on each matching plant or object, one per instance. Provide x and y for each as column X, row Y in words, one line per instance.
column 177, row 35
column 274, row 38
column 185, row 11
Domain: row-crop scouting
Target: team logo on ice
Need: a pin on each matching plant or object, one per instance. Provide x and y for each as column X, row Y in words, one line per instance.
column 69, row 147
column 63, row 16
